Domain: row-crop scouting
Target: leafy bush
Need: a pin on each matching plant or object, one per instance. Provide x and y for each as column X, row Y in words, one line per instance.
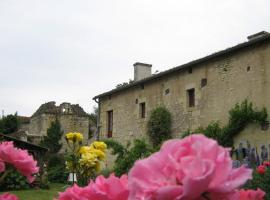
column 126, row 156
column 15, row 181
column 57, row 172
column 239, row 117
column 159, row 125
column 260, row 181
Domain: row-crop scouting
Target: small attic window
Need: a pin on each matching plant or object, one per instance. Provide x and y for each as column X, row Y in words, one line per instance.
column 190, row 70
column 167, row 91
column 142, row 86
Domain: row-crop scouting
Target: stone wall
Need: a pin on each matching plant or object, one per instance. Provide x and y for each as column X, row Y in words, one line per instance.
column 231, row 78
column 71, row 120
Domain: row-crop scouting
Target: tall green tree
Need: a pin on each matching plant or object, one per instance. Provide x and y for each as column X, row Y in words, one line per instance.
column 54, row 135
column 9, row 124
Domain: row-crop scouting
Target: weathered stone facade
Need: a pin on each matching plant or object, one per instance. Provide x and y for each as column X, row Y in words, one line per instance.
column 72, row 118
column 220, row 81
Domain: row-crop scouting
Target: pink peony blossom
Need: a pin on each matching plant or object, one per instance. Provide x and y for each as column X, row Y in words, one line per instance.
column 251, row 194
column 8, row 196
column 190, row 168
column 112, row 188
column 261, row 169
column 73, row 193
column 2, row 166
column 19, row 158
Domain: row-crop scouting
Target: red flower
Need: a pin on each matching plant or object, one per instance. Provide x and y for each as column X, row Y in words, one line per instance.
column 266, row 163
column 261, row 169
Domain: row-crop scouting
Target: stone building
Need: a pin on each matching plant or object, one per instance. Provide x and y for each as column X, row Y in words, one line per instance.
column 196, row 93
column 72, row 118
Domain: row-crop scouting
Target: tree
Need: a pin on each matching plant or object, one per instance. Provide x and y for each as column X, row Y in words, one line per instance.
column 93, row 115
column 52, row 140
column 159, row 125
column 9, row 124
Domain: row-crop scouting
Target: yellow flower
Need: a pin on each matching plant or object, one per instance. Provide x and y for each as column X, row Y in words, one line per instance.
column 99, row 145
column 88, row 160
column 79, row 137
column 99, row 154
column 74, row 137
column 84, row 149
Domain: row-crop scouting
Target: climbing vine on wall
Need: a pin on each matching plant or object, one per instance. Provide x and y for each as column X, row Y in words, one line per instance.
column 240, row 116
column 159, row 125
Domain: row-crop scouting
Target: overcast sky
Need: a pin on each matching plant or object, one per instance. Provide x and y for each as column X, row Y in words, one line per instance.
column 72, row 50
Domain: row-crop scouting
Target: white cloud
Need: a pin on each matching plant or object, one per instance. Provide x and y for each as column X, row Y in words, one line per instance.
column 73, row 50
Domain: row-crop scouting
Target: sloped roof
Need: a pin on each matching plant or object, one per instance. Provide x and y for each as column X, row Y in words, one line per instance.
column 264, row 38
column 23, row 144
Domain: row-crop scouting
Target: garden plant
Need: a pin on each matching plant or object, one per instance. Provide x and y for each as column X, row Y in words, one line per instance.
column 193, row 168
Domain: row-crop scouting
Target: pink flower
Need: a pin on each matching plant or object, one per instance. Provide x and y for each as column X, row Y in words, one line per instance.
column 8, row 196
column 187, row 169
column 72, row 193
column 261, row 169
column 251, row 194
column 2, row 166
column 112, row 188
column 20, row 159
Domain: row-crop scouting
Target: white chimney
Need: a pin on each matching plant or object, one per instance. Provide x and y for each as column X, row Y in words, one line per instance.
column 142, row 70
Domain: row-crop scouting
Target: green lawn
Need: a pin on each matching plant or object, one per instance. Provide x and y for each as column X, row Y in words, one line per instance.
column 40, row 194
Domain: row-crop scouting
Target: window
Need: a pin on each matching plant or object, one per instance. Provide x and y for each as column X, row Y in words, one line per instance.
column 203, row 82
column 248, row 68
column 191, row 97
column 167, row 91
column 142, row 110
column 190, row 70
column 142, row 86
column 109, row 123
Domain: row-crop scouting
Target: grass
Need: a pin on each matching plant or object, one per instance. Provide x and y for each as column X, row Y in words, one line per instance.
column 40, row 194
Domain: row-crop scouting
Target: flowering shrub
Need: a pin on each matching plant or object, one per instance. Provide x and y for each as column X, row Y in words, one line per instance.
column 194, row 168
column 84, row 160
column 261, row 179
column 19, row 159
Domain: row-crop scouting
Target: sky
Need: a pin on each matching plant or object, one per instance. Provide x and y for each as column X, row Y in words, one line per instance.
column 71, row 51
